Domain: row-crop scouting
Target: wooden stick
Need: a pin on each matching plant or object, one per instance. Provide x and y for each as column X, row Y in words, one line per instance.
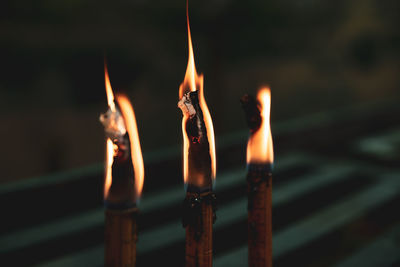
column 199, row 227
column 120, row 237
column 259, row 184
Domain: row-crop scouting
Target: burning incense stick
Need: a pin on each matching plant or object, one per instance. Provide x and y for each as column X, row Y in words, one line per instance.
column 124, row 174
column 199, row 166
column 259, row 178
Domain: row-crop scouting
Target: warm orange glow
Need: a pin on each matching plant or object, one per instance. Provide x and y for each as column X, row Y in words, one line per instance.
column 109, row 145
column 109, row 92
column 136, row 151
column 194, row 82
column 260, row 147
column 120, row 126
column 109, row 161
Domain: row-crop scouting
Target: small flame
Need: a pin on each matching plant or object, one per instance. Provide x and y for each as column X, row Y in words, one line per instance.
column 191, row 83
column 136, row 151
column 119, row 126
column 109, row 92
column 109, row 162
column 110, row 150
column 260, row 147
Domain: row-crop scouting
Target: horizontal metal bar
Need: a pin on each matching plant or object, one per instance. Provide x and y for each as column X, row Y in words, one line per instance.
column 150, row 202
column 173, row 232
column 384, row 251
column 321, row 223
column 293, row 125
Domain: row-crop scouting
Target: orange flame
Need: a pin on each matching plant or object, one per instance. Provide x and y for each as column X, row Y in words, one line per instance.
column 110, row 151
column 109, row 145
column 109, row 92
column 191, row 83
column 136, row 152
column 129, row 119
column 260, row 147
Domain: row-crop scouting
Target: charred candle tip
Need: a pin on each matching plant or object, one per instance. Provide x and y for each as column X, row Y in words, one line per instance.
column 252, row 111
column 197, row 152
column 195, row 125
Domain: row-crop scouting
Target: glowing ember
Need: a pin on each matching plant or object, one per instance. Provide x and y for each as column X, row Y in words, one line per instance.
column 260, row 147
column 192, row 83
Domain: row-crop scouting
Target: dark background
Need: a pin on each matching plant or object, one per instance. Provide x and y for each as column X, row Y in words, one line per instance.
column 315, row 55
column 333, row 68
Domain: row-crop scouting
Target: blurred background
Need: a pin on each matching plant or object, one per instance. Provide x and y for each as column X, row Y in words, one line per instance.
column 334, row 63
column 315, row 55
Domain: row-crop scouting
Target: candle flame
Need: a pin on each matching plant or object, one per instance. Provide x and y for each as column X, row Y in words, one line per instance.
column 109, row 92
column 110, row 151
column 194, row 82
column 259, row 146
column 117, row 126
column 136, row 152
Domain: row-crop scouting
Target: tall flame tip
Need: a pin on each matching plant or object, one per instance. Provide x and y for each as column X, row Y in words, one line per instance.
column 194, row 82
column 109, row 91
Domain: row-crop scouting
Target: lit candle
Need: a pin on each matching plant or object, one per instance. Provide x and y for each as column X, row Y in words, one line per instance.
column 123, row 183
column 259, row 178
column 199, row 166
